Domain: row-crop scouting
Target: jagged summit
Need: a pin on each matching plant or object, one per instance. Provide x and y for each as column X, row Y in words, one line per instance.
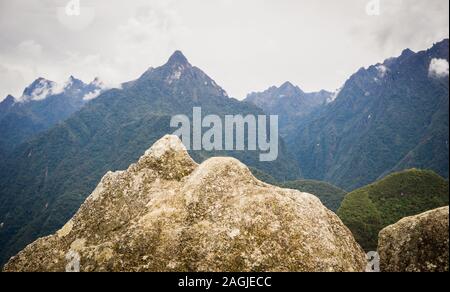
column 288, row 88
column 404, row 55
column 40, row 89
column 288, row 101
column 74, row 83
column 287, row 85
column 73, row 79
column 38, row 83
column 9, row 98
column 407, row 52
column 170, row 71
column 6, row 104
column 183, row 79
column 166, row 213
column 97, row 82
column 178, row 58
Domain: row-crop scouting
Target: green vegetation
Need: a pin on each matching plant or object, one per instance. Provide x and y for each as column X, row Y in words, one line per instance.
column 22, row 121
column 368, row 210
column 264, row 177
column 379, row 124
column 331, row 196
column 45, row 180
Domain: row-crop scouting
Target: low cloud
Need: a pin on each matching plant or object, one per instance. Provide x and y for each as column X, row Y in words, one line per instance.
column 382, row 71
column 438, row 68
column 92, row 95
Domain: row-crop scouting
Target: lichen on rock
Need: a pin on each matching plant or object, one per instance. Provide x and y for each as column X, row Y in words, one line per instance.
column 166, row 213
column 416, row 244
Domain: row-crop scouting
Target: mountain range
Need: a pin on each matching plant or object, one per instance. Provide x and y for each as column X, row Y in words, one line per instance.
column 57, row 142
column 289, row 102
column 388, row 117
column 43, row 104
column 51, row 175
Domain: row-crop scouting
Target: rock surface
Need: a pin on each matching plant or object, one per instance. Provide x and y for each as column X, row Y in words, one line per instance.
column 166, row 213
column 416, row 244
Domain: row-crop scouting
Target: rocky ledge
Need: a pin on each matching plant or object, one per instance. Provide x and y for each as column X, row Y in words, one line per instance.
column 416, row 244
column 166, row 213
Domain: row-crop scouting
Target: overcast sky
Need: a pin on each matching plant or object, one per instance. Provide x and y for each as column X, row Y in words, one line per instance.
column 245, row 45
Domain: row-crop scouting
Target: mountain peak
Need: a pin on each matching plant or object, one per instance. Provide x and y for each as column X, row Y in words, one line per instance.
column 74, row 82
column 178, row 58
column 40, row 80
column 97, row 82
column 39, row 89
column 8, row 101
column 290, row 89
column 407, row 53
column 287, row 84
column 10, row 97
column 74, row 79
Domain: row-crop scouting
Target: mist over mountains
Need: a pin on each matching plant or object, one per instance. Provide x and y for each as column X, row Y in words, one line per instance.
column 43, row 104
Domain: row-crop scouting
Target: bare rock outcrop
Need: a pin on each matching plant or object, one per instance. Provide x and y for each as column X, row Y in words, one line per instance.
column 166, row 213
column 416, row 244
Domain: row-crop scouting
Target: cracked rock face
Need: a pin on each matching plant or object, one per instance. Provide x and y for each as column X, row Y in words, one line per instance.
column 166, row 213
column 416, row 244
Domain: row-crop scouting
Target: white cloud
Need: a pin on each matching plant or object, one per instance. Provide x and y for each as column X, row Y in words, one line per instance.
column 102, row 87
column 382, row 71
column 30, row 48
column 44, row 89
column 334, row 96
column 401, row 21
column 244, row 45
column 92, row 95
column 438, row 68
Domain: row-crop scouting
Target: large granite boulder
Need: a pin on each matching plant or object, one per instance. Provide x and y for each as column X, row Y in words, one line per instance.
column 416, row 244
column 166, row 213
